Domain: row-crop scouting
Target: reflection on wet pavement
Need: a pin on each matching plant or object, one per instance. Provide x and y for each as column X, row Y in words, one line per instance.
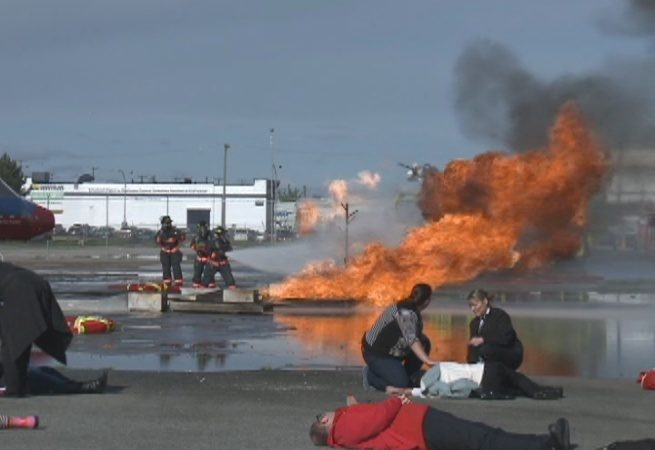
column 591, row 321
column 558, row 341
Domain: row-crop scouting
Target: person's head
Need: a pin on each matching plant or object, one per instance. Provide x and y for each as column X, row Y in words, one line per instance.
column 419, row 298
column 320, row 428
column 202, row 227
column 479, row 301
column 220, row 231
column 166, row 222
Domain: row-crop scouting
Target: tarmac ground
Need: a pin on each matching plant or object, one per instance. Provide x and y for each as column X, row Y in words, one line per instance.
column 272, row 409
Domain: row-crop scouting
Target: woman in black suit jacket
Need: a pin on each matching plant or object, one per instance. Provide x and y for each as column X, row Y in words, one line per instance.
column 492, row 336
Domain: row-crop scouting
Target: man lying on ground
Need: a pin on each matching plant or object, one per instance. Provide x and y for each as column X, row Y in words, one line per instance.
column 489, row 381
column 398, row 424
column 43, row 380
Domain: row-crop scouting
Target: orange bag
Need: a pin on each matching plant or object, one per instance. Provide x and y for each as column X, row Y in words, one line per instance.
column 647, row 379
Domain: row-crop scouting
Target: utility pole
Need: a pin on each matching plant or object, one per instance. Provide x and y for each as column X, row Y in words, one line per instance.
column 124, row 223
column 349, row 218
column 273, row 182
column 225, row 149
column 93, row 172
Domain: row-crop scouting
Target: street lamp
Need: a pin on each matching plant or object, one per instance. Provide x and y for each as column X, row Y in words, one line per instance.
column 273, row 187
column 223, row 200
column 124, row 223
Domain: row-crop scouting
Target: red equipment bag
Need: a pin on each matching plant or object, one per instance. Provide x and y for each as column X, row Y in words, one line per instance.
column 647, row 379
column 90, row 324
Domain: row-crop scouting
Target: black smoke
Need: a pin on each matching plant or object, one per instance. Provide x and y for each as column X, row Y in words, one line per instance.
column 500, row 101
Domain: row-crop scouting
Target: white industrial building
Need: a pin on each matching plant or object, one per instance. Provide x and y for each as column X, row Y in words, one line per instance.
column 141, row 205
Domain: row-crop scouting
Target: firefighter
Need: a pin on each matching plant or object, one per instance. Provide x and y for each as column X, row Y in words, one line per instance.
column 218, row 261
column 201, row 244
column 169, row 239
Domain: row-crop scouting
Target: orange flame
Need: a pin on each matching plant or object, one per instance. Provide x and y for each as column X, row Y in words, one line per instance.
column 308, row 215
column 497, row 211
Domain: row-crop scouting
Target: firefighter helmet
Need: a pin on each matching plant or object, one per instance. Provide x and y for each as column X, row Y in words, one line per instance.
column 166, row 220
column 219, row 230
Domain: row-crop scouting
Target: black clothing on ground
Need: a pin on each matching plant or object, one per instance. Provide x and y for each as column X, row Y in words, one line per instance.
column 642, row 444
column 44, row 380
column 500, row 340
column 499, row 381
column 444, row 431
column 29, row 314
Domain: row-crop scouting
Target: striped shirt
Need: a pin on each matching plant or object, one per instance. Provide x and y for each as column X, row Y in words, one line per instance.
column 395, row 331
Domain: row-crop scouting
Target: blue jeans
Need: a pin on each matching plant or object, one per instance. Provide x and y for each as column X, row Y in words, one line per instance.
column 386, row 370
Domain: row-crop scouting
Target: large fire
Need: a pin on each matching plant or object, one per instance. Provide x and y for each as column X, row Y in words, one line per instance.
column 497, row 211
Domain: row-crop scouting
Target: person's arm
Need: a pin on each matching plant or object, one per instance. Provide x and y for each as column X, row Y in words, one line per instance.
column 419, row 351
column 407, row 322
column 362, row 422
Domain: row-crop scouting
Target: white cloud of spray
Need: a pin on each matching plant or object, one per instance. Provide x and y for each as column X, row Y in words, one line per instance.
column 378, row 217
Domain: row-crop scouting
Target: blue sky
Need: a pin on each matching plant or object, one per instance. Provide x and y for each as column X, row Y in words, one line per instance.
column 156, row 87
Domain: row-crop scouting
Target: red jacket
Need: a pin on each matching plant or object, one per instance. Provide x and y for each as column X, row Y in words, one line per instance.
column 387, row 425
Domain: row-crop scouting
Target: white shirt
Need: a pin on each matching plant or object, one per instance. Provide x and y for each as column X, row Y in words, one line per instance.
column 451, row 371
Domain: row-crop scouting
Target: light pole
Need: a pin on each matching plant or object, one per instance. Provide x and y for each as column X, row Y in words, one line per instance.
column 349, row 218
column 223, row 199
column 124, row 223
column 273, row 182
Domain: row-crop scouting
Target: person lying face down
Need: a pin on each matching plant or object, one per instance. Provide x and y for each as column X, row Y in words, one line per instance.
column 489, row 381
column 398, row 424
column 29, row 315
column 44, row 380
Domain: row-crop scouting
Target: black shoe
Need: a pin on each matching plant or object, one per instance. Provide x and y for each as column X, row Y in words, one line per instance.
column 96, row 386
column 492, row 395
column 548, row 393
column 560, row 435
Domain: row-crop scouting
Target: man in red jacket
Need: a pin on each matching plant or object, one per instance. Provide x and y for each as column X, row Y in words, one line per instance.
column 397, row 424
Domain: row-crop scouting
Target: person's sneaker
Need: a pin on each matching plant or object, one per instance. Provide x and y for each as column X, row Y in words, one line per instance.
column 560, row 435
column 365, row 383
column 546, row 394
column 96, row 386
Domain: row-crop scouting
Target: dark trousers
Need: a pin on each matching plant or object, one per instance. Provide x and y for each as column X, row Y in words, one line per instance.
column 198, row 268
column 15, row 371
column 47, row 380
column 168, row 261
column 386, row 370
column 226, row 273
column 443, row 431
column 497, row 377
column 512, row 357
